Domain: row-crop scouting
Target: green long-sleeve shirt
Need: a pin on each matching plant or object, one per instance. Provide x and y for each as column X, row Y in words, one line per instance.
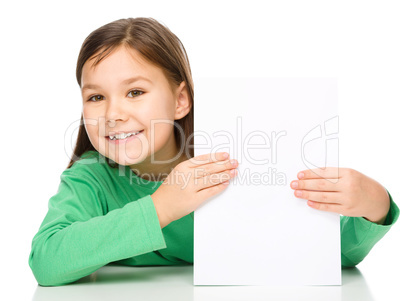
column 103, row 215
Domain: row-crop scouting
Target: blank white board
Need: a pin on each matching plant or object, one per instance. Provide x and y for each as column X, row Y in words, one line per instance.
column 256, row 232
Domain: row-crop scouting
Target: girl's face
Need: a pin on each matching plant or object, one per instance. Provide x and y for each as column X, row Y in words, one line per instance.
column 126, row 94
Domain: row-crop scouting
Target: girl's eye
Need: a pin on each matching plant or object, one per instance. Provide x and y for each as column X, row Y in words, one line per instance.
column 131, row 94
column 96, row 98
column 135, row 93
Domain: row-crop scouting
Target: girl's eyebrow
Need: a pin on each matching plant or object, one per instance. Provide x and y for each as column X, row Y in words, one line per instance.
column 123, row 83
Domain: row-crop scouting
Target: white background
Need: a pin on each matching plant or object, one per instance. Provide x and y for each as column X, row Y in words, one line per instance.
column 359, row 42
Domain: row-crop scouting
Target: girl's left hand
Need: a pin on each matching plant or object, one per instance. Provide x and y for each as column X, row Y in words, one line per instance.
column 344, row 191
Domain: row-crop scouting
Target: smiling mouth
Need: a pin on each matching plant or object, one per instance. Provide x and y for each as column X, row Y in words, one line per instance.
column 125, row 138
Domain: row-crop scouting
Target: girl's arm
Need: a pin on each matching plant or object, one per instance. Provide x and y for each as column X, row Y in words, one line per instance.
column 358, row 235
column 78, row 235
column 368, row 208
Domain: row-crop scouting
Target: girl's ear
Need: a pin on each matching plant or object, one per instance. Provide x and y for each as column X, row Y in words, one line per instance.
column 183, row 103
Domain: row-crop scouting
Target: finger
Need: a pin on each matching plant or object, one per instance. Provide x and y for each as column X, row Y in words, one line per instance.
column 212, row 190
column 208, row 169
column 315, row 184
column 207, row 158
column 325, row 206
column 215, row 179
column 317, row 173
column 318, row 196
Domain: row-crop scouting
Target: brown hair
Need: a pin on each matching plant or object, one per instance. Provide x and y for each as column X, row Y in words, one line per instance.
column 159, row 46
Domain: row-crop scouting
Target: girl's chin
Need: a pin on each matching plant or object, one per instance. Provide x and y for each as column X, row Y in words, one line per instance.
column 127, row 159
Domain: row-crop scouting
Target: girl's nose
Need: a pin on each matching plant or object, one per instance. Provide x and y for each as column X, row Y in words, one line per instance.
column 111, row 122
column 114, row 111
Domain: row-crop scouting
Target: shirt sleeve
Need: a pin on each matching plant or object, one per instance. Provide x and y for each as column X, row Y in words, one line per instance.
column 76, row 238
column 358, row 235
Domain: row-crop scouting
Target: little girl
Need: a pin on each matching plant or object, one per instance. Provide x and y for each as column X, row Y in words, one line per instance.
column 129, row 192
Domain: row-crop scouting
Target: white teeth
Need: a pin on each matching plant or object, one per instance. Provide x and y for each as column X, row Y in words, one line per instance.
column 122, row 136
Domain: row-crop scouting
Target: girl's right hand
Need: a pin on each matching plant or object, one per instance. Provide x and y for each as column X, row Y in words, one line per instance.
column 190, row 183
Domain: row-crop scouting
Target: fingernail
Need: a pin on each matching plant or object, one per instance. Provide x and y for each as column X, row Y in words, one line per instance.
column 301, row 175
column 298, row 193
column 294, row 184
column 226, row 155
column 233, row 162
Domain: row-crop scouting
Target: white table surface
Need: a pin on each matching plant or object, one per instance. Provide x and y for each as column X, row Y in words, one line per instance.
column 176, row 283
